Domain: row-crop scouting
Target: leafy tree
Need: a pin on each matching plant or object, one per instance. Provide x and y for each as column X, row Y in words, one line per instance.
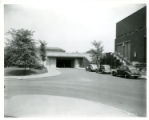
column 7, row 55
column 43, row 50
column 21, row 49
column 96, row 52
column 109, row 59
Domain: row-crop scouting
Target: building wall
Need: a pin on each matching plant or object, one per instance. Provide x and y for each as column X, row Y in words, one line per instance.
column 130, row 39
column 51, row 62
column 76, row 63
column 131, row 23
column 138, row 46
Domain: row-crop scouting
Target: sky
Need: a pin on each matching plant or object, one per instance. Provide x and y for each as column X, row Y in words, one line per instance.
column 71, row 26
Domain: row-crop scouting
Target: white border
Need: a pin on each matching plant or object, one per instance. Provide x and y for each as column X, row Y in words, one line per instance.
column 43, row 2
column 1, row 60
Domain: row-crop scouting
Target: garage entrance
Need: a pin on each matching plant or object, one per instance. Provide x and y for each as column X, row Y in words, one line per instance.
column 65, row 62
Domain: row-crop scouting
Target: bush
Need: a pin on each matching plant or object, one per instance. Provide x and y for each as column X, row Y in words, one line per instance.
column 39, row 66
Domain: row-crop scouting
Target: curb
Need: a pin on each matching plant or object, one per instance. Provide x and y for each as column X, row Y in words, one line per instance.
column 49, row 74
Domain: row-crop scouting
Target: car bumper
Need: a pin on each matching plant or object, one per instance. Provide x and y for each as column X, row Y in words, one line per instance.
column 135, row 75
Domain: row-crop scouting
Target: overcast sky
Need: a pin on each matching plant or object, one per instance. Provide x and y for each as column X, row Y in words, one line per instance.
column 70, row 25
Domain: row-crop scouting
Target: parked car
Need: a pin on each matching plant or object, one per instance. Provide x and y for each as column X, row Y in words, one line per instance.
column 91, row 67
column 104, row 69
column 140, row 66
column 126, row 71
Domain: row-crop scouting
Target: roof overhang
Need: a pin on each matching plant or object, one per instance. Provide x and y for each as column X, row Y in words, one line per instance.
column 68, row 55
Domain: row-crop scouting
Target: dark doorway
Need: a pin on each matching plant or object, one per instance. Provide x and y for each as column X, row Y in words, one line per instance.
column 65, row 63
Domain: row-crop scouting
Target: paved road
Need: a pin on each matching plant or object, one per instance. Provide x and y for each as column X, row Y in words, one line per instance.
column 126, row 94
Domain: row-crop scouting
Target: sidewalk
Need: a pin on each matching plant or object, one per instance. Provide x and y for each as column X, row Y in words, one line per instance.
column 51, row 72
column 58, row 106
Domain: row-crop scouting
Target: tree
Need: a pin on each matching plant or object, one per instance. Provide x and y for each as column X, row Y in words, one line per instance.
column 43, row 50
column 96, row 52
column 109, row 59
column 21, row 48
column 7, row 55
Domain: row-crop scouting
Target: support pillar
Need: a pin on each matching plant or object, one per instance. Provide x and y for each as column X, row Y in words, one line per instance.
column 77, row 65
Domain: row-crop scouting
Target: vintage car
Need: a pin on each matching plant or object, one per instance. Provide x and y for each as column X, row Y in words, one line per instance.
column 126, row 71
column 92, row 68
column 104, row 69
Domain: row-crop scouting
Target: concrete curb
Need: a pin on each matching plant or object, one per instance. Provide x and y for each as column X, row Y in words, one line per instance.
column 51, row 72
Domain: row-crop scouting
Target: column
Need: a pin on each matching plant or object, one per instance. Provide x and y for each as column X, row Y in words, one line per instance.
column 77, row 65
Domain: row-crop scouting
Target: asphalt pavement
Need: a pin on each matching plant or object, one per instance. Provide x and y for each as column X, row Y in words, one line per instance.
column 125, row 94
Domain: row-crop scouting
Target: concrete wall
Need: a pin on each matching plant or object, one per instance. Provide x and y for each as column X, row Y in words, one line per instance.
column 76, row 63
column 51, row 62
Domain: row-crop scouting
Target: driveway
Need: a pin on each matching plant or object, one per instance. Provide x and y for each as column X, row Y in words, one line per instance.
column 125, row 94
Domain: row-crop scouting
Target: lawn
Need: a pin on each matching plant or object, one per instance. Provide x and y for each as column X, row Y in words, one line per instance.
column 14, row 71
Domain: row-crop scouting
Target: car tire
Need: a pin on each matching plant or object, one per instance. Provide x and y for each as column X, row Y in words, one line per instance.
column 127, row 75
column 135, row 77
column 113, row 73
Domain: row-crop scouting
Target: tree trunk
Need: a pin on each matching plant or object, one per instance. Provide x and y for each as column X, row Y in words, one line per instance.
column 98, row 63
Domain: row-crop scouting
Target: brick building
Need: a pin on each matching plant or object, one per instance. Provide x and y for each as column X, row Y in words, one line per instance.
column 130, row 40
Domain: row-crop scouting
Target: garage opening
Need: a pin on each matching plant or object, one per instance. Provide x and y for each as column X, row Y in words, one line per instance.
column 65, row 63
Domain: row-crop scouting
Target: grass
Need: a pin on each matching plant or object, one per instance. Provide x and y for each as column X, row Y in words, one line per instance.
column 14, row 71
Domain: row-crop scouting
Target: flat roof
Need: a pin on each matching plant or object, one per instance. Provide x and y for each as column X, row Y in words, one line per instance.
column 55, row 49
column 61, row 54
column 69, row 55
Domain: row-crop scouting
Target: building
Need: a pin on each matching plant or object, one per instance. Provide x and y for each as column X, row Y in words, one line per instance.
column 57, row 57
column 130, row 42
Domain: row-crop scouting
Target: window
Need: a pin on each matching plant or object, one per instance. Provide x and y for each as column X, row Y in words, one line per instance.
column 135, row 54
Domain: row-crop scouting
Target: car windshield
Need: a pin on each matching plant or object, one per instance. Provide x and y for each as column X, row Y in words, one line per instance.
column 107, row 67
column 133, row 69
column 94, row 65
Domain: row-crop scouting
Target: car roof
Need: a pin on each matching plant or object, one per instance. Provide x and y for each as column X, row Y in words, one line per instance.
column 105, row 65
column 128, row 66
column 132, row 67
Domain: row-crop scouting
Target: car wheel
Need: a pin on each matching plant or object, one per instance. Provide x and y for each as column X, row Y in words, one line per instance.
column 135, row 77
column 127, row 76
column 113, row 74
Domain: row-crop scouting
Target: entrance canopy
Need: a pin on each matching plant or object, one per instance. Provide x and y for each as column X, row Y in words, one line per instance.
column 65, row 60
